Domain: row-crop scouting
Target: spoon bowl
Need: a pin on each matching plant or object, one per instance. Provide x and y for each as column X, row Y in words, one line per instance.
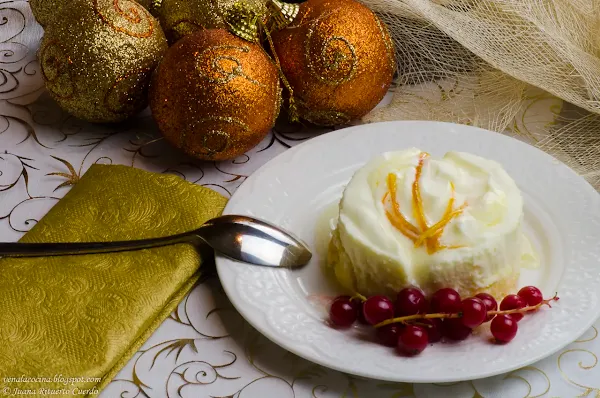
column 254, row 241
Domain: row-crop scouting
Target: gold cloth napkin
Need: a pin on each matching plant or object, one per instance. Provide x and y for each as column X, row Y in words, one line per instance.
column 84, row 317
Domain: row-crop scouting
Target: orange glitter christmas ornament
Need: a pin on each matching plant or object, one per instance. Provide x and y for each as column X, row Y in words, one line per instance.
column 338, row 58
column 214, row 95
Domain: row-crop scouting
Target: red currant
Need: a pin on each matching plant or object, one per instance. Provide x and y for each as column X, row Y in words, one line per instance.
column 388, row 335
column 433, row 328
column 445, row 300
column 513, row 302
column 490, row 304
column 531, row 295
column 413, row 340
column 473, row 312
column 342, row 312
column 411, row 301
column 355, row 304
column 377, row 309
column 359, row 306
column 361, row 315
column 504, row 328
column 454, row 329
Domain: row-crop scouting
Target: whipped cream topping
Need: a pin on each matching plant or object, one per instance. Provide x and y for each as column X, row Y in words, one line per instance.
column 408, row 218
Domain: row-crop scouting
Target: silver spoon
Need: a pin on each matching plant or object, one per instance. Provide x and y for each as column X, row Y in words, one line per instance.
column 240, row 238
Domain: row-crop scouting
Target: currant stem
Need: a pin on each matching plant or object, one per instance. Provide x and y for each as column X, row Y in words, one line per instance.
column 404, row 319
column 359, row 296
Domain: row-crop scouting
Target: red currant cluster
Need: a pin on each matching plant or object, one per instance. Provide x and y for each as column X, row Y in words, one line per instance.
column 413, row 321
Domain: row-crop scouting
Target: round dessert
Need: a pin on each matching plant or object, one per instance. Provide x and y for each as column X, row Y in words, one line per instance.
column 406, row 219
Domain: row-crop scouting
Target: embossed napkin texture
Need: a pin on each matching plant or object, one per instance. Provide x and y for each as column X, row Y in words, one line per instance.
column 86, row 316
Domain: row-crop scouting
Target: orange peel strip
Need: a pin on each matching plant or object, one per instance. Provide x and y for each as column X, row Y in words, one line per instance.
column 416, row 191
column 434, row 229
column 429, row 235
column 433, row 244
column 397, row 218
column 399, row 224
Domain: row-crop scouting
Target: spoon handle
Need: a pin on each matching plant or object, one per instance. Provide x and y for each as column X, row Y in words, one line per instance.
column 60, row 249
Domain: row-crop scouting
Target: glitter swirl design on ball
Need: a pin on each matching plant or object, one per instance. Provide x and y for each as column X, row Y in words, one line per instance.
column 330, row 116
column 217, row 71
column 332, row 60
column 56, row 70
column 125, row 16
column 216, row 140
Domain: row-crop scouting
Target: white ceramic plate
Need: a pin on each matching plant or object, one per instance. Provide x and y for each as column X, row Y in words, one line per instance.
column 294, row 190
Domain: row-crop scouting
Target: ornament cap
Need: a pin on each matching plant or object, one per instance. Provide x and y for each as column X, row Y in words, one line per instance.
column 282, row 14
column 242, row 21
column 155, row 7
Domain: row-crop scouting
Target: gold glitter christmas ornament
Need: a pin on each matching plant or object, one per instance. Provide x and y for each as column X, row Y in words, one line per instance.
column 338, row 58
column 97, row 61
column 45, row 11
column 214, row 95
column 182, row 17
column 147, row 4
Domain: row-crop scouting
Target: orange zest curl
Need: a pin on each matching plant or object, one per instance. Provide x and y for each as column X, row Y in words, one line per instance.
column 438, row 228
column 423, row 234
column 418, row 210
column 395, row 216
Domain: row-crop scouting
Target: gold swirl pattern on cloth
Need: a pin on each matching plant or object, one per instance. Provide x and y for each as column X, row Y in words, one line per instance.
column 86, row 316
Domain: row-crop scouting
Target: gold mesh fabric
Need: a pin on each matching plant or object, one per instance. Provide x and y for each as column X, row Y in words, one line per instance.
column 478, row 62
column 86, row 316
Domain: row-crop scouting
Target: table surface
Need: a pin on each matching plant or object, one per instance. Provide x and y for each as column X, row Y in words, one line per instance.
column 205, row 348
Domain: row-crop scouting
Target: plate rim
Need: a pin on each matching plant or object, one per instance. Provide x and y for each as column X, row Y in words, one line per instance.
column 309, row 355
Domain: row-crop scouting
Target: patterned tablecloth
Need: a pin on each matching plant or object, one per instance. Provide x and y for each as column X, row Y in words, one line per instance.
column 205, row 348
